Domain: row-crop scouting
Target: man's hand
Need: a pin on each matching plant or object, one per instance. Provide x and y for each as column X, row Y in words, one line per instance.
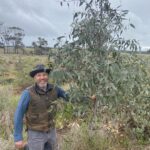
column 19, row 144
column 93, row 97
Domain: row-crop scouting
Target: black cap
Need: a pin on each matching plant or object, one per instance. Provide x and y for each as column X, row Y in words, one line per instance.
column 39, row 68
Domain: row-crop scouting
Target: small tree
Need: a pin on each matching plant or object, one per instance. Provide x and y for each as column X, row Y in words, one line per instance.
column 96, row 37
column 92, row 63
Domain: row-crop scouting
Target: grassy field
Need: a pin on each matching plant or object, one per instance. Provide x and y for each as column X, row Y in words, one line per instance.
column 14, row 77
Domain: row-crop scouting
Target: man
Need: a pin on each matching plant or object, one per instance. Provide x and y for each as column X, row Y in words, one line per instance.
column 38, row 107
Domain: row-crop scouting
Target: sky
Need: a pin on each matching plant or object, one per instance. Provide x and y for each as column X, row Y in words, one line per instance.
column 49, row 20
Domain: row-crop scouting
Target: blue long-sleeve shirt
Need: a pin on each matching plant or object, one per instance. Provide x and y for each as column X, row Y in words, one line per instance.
column 21, row 110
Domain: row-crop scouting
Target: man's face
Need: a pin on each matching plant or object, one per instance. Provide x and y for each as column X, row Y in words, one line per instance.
column 41, row 79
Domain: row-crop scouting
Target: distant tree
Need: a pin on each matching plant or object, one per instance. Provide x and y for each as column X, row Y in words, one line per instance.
column 4, row 37
column 148, row 51
column 1, row 40
column 40, row 46
column 11, row 37
column 42, row 43
column 15, row 37
column 34, row 46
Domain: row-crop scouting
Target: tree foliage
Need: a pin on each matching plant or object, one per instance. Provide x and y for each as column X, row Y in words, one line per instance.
column 92, row 63
column 95, row 48
column 101, row 26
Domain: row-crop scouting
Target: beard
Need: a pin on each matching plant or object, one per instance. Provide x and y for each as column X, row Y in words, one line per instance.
column 42, row 85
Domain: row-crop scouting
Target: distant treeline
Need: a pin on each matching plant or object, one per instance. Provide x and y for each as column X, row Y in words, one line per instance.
column 139, row 52
column 11, row 41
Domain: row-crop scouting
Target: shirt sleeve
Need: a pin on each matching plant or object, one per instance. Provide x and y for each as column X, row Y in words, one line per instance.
column 61, row 93
column 19, row 114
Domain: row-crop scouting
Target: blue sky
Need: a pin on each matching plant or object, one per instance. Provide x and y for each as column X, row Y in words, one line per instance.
column 48, row 19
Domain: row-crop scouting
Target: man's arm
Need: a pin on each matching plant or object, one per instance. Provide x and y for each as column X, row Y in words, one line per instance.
column 19, row 114
column 65, row 96
column 61, row 93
